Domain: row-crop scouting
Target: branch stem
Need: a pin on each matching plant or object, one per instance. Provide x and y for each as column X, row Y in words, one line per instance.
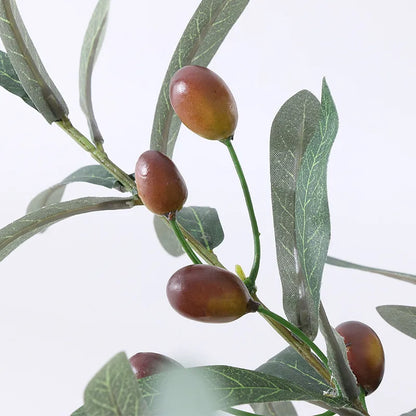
column 99, row 155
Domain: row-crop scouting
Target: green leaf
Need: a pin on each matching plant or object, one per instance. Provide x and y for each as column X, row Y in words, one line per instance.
column 25, row 227
column 411, row 413
column 95, row 174
column 200, row 41
column 337, row 359
column 275, row 409
column 232, row 386
column 10, row 81
column 201, row 222
column 291, row 132
column 405, row 277
column 400, row 317
column 91, row 46
column 27, row 64
column 114, row 391
column 312, row 212
column 289, row 365
column 80, row 412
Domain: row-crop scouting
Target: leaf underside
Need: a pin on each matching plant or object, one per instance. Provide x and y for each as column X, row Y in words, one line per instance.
column 201, row 39
column 312, row 211
column 27, row 64
column 25, row 227
column 91, row 46
column 401, row 317
column 291, row 132
column 10, row 81
column 201, row 222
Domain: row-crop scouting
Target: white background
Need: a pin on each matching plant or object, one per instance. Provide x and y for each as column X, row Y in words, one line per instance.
column 94, row 285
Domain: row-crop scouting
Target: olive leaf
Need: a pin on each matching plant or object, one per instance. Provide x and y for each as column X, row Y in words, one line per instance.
column 80, row 412
column 275, row 409
column 312, row 211
column 16, row 233
column 114, row 391
column 291, row 132
column 10, row 81
column 91, row 46
column 337, row 358
column 411, row 413
column 27, row 64
column 400, row 317
column 202, row 223
column 201, row 39
column 95, row 174
column 405, row 277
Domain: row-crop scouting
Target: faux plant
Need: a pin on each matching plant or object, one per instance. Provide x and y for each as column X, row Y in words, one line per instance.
column 336, row 375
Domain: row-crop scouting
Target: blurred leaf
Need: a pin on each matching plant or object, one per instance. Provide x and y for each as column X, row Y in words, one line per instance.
column 292, row 130
column 25, row 227
column 200, row 41
column 10, row 81
column 27, row 64
column 275, row 409
column 95, row 174
column 114, row 391
column 312, row 212
column 405, row 277
column 91, row 46
column 201, row 222
column 337, row 359
column 231, row 386
column 411, row 413
column 80, row 412
column 400, row 317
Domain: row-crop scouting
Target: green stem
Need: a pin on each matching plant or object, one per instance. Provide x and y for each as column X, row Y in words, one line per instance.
column 188, row 250
column 99, row 155
column 250, row 281
column 296, row 331
column 238, row 412
column 298, row 345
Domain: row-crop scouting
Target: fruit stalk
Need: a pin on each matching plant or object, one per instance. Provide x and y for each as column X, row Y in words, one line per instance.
column 251, row 280
column 187, row 248
column 99, row 155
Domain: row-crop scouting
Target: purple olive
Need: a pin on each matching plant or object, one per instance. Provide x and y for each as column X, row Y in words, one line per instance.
column 145, row 364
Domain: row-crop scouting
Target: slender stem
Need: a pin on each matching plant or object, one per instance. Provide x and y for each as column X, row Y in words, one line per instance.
column 238, row 412
column 250, row 281
column 99, row 155
column 188, row 250
column 296, row 331
column 299, row 346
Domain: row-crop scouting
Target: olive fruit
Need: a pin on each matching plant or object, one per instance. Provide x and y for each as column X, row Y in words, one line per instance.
column 159, row 183
column 145, row 364
column 203, row 102
column 209, row 294
column 364, row 352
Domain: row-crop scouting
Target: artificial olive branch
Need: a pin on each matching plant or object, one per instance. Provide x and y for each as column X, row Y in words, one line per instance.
column 99, row 155
column 251, row 280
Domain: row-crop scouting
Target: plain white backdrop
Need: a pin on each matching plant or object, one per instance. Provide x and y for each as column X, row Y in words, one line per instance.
column 94, row 285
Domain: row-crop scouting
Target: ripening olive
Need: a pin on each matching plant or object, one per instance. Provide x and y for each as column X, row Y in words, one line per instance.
column 203, row 102
column 209, row 294
column 365, row 353
column 159, row 183
column 145, row 364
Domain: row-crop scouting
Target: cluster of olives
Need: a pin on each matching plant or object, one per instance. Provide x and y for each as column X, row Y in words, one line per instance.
column 203, row 292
